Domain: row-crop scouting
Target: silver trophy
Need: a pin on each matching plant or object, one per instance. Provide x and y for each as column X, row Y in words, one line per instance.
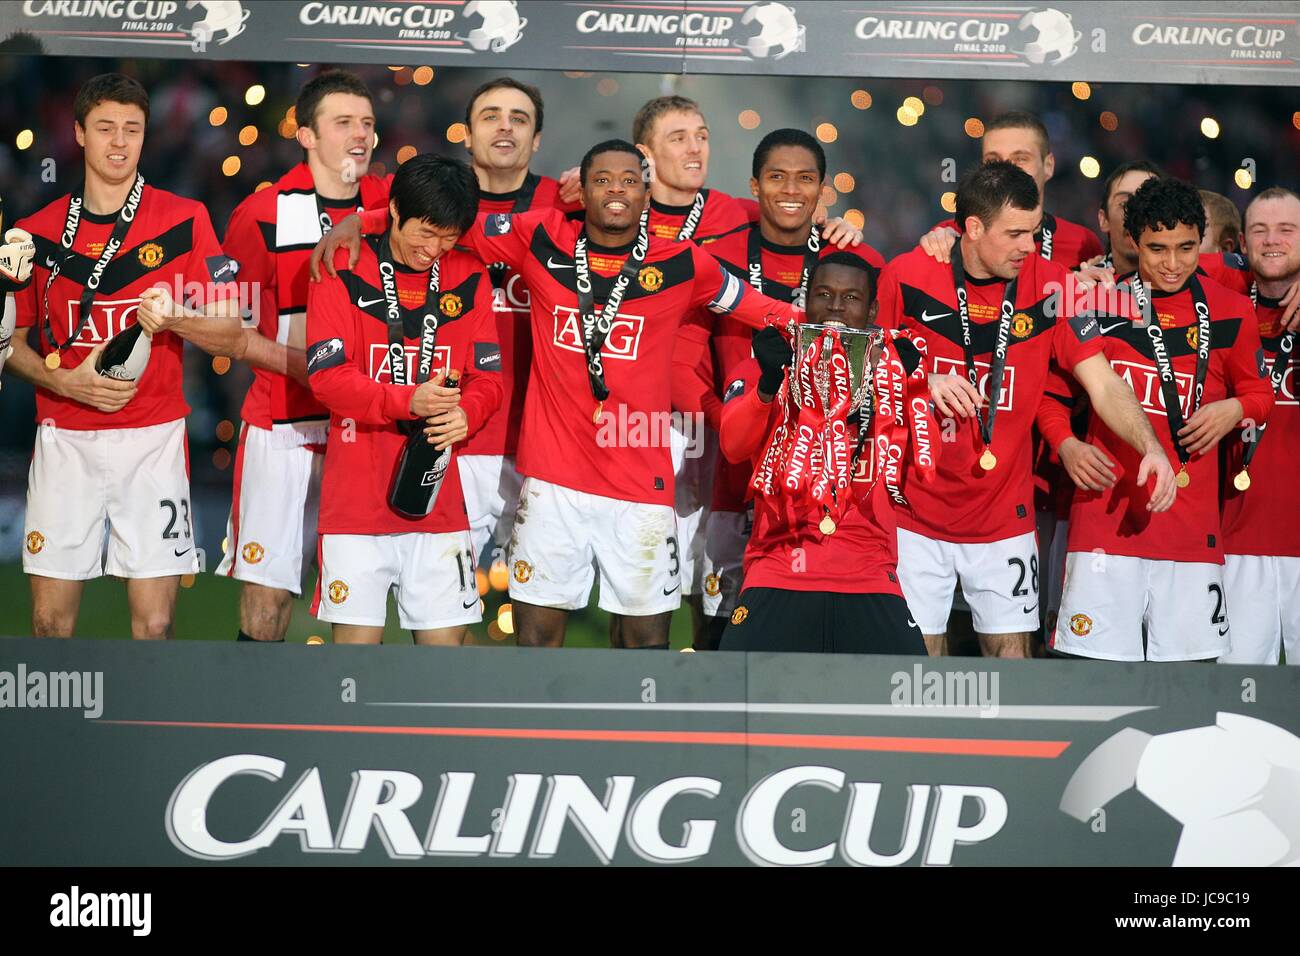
column 862, row 348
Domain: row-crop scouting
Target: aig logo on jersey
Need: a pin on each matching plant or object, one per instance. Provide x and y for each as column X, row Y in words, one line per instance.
column 623, row 341
column 947, row 366
column 1145, row 382
column 513, row 296
column 106, row 320
column 381, row 371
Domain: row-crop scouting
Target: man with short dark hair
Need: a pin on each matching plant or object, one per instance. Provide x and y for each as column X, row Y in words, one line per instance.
column 990, row 323
column 271, row 532
column 1141, row 584
column 809, row 585
column 114, row 255
column 384, row 337
column 503, row 120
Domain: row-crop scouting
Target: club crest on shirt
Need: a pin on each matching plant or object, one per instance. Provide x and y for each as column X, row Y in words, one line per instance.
column 651, row 278
column 1192, row 337
column 739, row 614
column 35, row 541
column 450, row 305
column 1081, row 625
column 338, row 591
column 523, row 572
column 252, row 552
column 712, row 585
column 150, row 255
column 1021, row 325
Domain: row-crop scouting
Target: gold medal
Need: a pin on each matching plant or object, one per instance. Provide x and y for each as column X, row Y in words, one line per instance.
column 595, row 416
column 1242, row 480
column 1182, row 479
column 53, row 361
column 988, row 461
column 827, row 525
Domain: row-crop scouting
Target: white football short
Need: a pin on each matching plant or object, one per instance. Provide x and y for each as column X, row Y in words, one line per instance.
column 134, row 481
column 999, row 580
column 271, row 531
column 694, row 457
column 725, row 536
column 491, row 485
column 563, row 537
column 1109, row 597
column 1264, row 594
column 431, row 577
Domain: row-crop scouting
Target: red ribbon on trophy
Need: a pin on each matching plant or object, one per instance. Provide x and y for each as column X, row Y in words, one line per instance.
column 811, row 453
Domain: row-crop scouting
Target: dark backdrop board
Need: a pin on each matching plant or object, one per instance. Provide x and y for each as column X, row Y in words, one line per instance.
column 582, row 757
column 1158, row 42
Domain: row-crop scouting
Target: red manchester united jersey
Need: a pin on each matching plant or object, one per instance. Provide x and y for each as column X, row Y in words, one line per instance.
column 1116, row 520
column 271, row 235
column 510, row 302
column 169, row 242
column 349, row 368
column 964, row 503
column 1265, row 519
column 718, row 215
column 786, row 548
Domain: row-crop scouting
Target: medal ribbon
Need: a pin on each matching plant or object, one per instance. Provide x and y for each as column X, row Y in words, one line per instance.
column 125, row 216
column 596, row 330
column 1160, row 349
column 999, row 363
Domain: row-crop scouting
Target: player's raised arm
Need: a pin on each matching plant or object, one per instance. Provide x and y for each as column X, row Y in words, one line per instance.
column 721, row 292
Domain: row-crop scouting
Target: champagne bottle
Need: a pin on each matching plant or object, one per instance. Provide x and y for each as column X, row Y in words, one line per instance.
column 126, row 355
column 420, row 471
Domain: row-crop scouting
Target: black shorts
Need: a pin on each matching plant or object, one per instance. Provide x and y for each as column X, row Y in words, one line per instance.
column 771, row 619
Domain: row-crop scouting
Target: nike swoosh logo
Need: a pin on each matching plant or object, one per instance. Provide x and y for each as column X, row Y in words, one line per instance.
column 470, row 604
column 1107, row 328
column 926, row 317
column 181, row 554
column 911, row 623
column 1030, row 610
column 670, row 590
column 1223, row 632
column 367, row 303
column 552, row 264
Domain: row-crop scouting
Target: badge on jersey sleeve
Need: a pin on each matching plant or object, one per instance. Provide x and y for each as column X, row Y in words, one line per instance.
column 222, row 268
column 1085, row 326
column 734, row 390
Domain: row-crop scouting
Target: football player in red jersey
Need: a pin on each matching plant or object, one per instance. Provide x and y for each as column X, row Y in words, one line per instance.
column 271, row 531
column 806, row 589
column 995, row 316
column 1261, row 534
column 1222, row 223
column 384, row 335
column 504, row 120
column 609, row 301
column 1141, row 585
column 114, row 254
column 775, row 256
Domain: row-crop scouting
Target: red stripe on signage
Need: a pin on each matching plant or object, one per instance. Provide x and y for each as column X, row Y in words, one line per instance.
column 926, row 745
